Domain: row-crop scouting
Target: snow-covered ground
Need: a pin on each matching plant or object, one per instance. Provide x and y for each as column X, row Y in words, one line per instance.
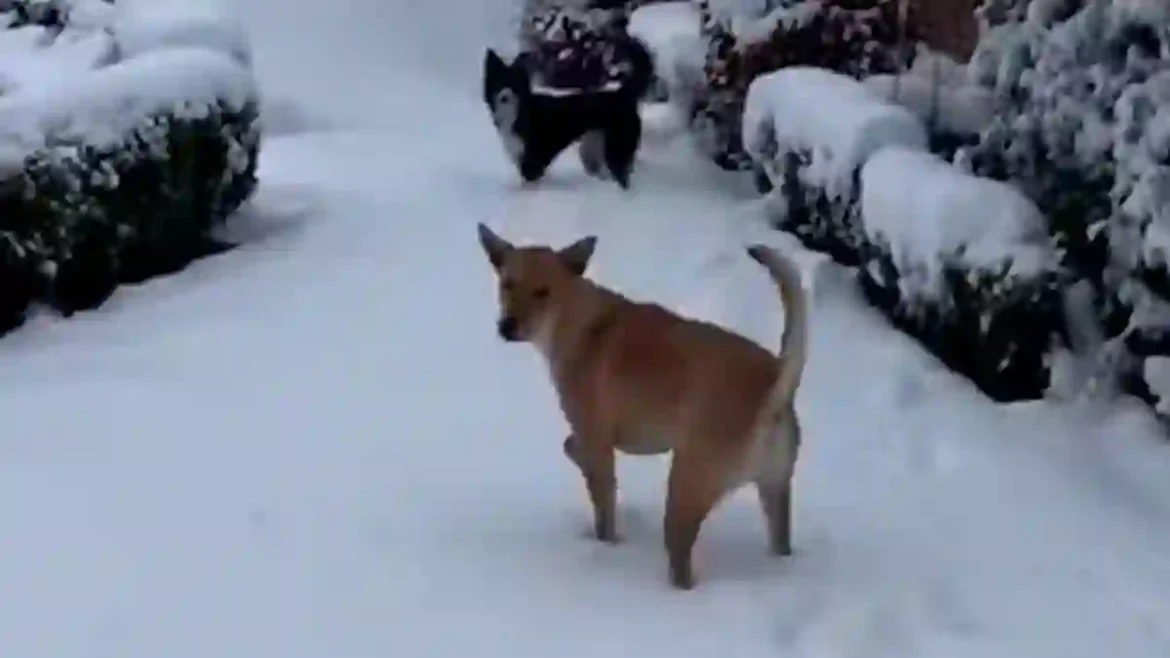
column 315, row 446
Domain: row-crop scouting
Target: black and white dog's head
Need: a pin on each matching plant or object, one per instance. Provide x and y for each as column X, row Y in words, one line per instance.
column 536, row 123
column 507, row 90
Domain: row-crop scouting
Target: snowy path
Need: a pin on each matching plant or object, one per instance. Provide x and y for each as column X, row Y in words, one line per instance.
column 316, row 447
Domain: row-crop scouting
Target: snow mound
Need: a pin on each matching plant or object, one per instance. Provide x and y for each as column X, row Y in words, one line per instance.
column 671, row 32
column 930, row 213
column 101, row 107
column 146, row 26
column 33, row 55
column 658, row 25
column 836, row 120
column 97, row 33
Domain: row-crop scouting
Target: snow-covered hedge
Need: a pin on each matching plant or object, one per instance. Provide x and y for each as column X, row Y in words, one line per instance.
column 748, row 39
column 809, row 131
column 1082, row 130
column 965, row 264
column 119, row 173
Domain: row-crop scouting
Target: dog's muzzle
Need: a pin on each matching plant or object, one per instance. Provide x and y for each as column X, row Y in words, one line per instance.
column 508, row 328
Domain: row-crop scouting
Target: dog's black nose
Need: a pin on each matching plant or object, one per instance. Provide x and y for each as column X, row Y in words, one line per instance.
column 507, row 327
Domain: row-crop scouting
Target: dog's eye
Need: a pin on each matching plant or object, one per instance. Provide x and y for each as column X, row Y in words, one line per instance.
column 540, row 293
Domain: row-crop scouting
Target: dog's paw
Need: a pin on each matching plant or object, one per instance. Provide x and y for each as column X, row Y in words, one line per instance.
column 682, row 580
column 606, row 535
column 781, row 550
column 590, row 533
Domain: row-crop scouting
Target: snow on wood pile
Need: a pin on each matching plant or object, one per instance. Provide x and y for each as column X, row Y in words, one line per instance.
column 832, row 118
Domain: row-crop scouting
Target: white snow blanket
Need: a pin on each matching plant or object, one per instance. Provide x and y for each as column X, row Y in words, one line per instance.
column 929, row 213
column 100, row 108
column 832, row 117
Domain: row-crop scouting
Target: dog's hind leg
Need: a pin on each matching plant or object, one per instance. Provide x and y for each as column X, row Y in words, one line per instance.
column 776, row 502
column 691, row 495
column 621, row 147
column 592, row 153
column 774, row 482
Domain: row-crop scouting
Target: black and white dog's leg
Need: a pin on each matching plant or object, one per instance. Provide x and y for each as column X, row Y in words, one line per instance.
column 621, row 147
column 592, row 153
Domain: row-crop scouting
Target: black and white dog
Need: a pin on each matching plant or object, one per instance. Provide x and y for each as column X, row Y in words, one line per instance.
column 536, row 126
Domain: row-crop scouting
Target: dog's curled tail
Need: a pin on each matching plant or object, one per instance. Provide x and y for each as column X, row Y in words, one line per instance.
column 794, row 342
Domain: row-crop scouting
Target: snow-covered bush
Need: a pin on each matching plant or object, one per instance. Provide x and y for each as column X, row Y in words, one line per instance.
column 748, row 39
column 577, row 45
column 1081, row 130
column 119, row 173
column 965, row 265
column 809, row 131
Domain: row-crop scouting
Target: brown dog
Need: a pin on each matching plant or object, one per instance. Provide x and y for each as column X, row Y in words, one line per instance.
column 640, row 379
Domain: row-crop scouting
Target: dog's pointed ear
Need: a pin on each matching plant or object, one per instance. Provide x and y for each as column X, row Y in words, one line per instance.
column 494, row 246
column 518, row 74
column 494, row 67
column 576, row 256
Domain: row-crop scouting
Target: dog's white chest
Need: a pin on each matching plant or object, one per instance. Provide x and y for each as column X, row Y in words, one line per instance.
column 505, row 111
column 513, row 145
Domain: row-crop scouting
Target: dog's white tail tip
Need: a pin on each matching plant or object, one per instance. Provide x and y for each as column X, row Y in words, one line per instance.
column 758, row 252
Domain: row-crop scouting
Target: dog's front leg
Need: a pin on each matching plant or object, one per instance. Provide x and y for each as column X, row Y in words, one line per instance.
column 597, row 466
column 591, row 150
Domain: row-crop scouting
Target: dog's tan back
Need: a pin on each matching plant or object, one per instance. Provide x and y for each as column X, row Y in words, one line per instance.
column 639, row 379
